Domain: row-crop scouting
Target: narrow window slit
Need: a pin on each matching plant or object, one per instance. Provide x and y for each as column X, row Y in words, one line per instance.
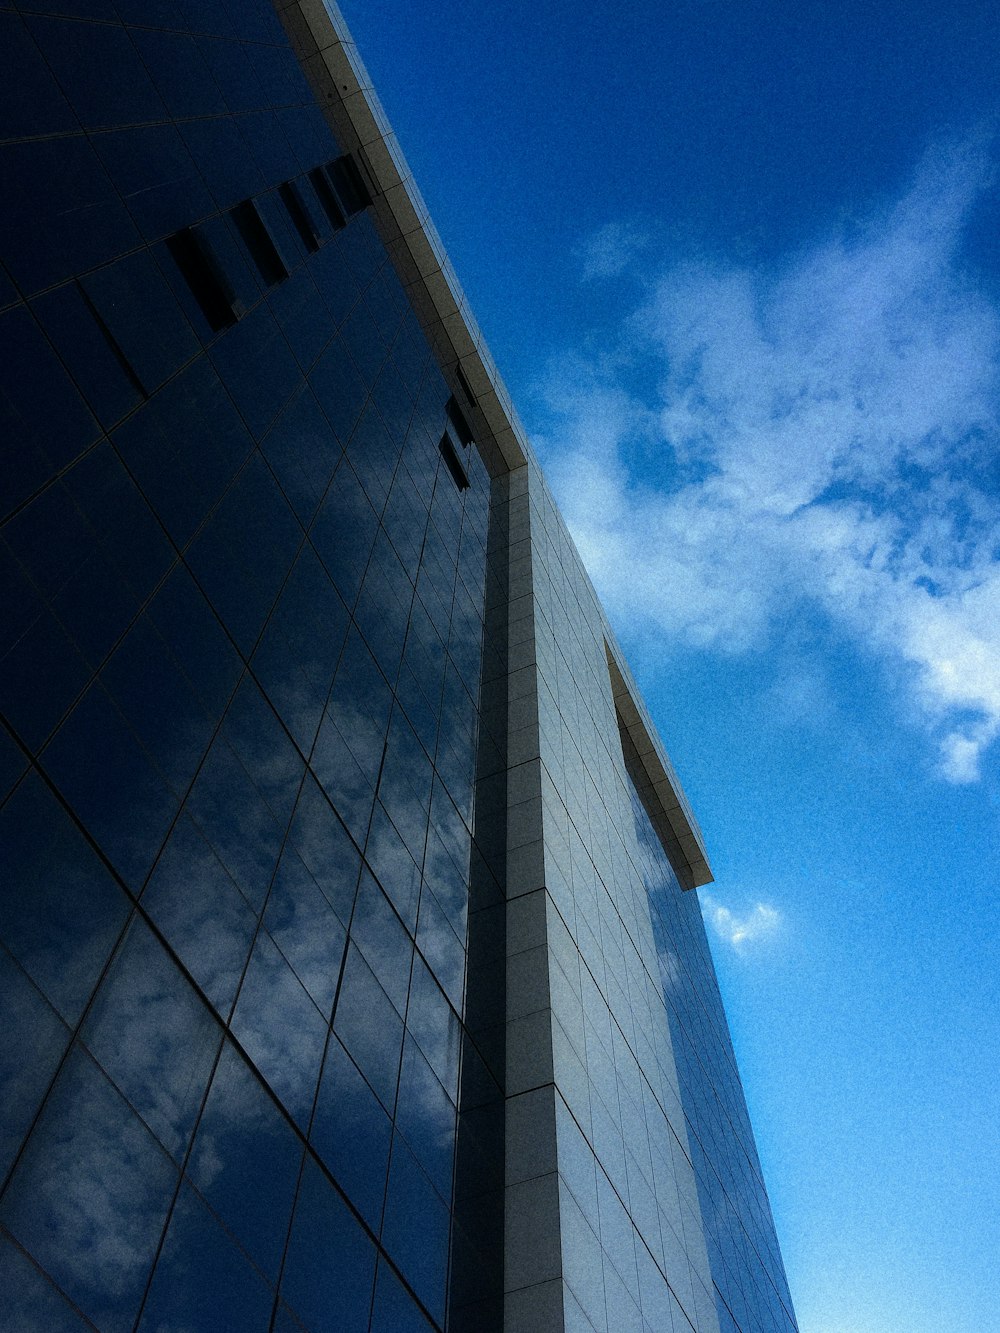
column 460, row 422
column 206, row 277
column 260, row 243
column 326, row 196
column 347, row 180
column 301, row 219
column 450, row 456
column 463, row 381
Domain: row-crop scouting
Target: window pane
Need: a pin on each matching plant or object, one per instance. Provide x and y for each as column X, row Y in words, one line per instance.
column 60, row 910
column 90, row 1195
column 196, row 904
column 351, row 1134
column 32, row 1040
column 31, row 1302
column 154, row 1036
column 306, row 929
column 416, row 1228
column 331, row 1262
column 395, row 1310
column 246, row 1161
column 281, row 1029
column 202, row 1280
column 370, row 1027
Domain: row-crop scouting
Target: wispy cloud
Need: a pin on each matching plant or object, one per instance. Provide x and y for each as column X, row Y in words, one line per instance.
column 612, row 249
column 740, row 930
column 823, row 435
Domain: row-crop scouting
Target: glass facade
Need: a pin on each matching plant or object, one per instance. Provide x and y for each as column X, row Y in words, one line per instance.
column 240, row 675
column 346, row 983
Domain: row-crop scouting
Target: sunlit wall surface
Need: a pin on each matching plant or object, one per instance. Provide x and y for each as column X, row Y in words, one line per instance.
column 749, row 1276
column 242, row 601
column 619, row 1195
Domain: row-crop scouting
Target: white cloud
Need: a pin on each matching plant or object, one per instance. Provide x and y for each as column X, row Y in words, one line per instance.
column 738, row 931
column 826, row 435
column 612, row 249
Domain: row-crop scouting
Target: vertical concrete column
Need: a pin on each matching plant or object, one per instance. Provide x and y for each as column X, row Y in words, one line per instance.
column 533, row 1300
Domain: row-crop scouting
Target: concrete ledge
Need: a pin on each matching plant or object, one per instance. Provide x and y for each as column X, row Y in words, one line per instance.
column 671, row 814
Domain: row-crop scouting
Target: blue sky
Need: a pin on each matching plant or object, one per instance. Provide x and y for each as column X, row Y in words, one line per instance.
column 739, row 265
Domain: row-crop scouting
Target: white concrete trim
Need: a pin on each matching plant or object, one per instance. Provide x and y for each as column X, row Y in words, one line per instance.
column 664, row 787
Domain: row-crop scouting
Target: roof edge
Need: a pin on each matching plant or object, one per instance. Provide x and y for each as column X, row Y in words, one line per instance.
column 671, row 812
column 326, row 50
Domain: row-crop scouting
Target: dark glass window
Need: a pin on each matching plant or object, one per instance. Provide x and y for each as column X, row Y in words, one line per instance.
column 302, row 316
column 274, row 765
column 235, row 820
column 369, row 1027
column 303, row 452
column 196, row 639
column 395, row 1310
column 91, row 354
column 41, row 671
column 331, row 1262
column 256, row 365
column 12, row 764
column 178, row 69
column 90, row 1195
column 322, row 842
column 32, row 1042
column 41, row 410
column 61, row 214
column 60, row 910
column 202, row 1279
column 306, row 929
column 159, row 704
column 416, row 1228
column 100, row 71
column 426, row 1118
column 30, row 1299
column 280, row 1028
column 351, row 1133
column 395, row 866
column 339, row 388
column 195, row 902
column 382, row 938
column 154, row 1036
column 30, row 100
column 98, row 765
column 156, row 176
column 246, row 1160
column 223, row 158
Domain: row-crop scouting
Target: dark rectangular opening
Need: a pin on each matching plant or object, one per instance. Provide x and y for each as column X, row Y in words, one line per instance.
column 300, row 216
column 206, row 277
column 326, row 196
column 458, row 473
column 259, row 241
column 460, row 422
column 466, row 386
column 349, row 184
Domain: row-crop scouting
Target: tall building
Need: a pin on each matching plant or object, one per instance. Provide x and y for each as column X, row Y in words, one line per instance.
column 351, row 975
